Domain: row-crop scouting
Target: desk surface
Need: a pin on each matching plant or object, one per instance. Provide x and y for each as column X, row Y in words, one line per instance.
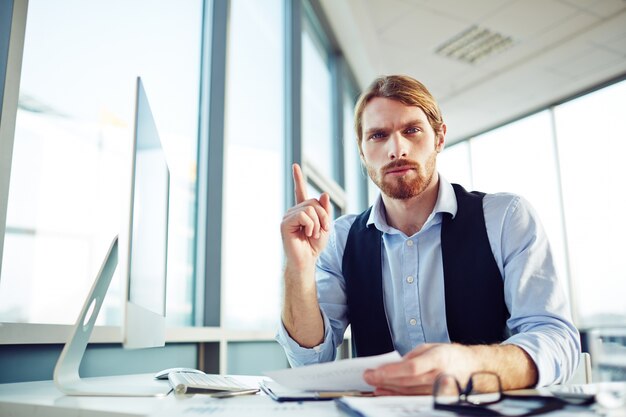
column 43, row 398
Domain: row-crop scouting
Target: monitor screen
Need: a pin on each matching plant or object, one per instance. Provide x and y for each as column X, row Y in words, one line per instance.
column 146, row 269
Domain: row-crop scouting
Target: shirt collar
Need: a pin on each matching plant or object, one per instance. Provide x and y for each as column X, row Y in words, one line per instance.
column 446, row 203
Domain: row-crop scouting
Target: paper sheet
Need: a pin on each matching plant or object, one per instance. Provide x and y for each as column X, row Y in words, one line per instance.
column 422, row 406
column 395, row 406
column 342, row 375
column 251, row 405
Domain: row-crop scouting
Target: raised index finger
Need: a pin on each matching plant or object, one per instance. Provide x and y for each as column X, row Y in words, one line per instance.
column 299, row 185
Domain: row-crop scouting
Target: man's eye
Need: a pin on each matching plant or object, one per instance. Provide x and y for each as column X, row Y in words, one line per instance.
column 377, row 135
column 412, row 130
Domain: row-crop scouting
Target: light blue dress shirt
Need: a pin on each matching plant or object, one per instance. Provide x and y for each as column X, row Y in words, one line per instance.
column 413, row 288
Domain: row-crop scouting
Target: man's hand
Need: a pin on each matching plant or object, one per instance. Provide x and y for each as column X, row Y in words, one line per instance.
column 416, row 372
column 305, row 229
column 418, row 369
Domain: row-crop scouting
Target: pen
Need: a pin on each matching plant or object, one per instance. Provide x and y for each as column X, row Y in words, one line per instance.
column 228, row 394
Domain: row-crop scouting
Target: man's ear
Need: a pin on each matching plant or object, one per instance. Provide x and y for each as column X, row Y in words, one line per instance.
column 440, row 142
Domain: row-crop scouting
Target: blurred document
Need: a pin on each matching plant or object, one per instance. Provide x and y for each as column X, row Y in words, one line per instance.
column 394, row 406
column 249, row 405
column 342, row 375
column 422, row 406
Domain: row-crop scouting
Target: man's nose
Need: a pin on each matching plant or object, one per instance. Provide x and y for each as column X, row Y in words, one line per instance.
column 397, row 146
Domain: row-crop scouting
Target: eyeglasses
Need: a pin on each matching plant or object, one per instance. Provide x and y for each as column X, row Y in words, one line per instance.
column 482, row 396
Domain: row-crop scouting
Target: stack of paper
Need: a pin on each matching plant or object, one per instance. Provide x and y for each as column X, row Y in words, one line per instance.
column 342, row 375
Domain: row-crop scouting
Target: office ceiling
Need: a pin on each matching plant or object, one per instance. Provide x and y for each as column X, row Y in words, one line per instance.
column 543, row 51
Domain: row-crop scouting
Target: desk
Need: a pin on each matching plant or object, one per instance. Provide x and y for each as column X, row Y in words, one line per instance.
column 42, row 398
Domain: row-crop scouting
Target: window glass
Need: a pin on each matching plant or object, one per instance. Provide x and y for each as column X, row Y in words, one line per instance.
column 356, row 174
column 254, row 161
column 591, row 134
column 454, row 164
column 317, row 137
column 71, row 158
column 520, row 158
column 373, row 192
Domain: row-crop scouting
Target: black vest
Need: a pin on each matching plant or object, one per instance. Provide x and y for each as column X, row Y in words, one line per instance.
column 474, row 290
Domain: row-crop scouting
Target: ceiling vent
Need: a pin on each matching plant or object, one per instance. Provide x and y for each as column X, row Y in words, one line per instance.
column 474, row 44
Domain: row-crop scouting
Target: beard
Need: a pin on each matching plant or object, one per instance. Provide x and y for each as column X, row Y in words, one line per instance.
column 406, row 186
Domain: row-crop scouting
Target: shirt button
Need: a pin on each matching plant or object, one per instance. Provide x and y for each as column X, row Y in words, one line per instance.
column 409, row 243
column 413, row 322
column 410, row 279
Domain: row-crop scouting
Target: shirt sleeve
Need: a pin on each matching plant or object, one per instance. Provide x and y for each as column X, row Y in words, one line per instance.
column 298, row 355
column 540, row 321
column 331, row 295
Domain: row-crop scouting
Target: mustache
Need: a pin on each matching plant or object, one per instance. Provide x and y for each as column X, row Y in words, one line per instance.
column 400, row 163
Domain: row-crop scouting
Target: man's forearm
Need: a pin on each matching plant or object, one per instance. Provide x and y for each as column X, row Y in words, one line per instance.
column 511, row 363
column 301, row 314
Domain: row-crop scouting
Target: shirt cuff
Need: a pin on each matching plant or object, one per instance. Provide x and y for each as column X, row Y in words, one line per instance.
column 298, row 355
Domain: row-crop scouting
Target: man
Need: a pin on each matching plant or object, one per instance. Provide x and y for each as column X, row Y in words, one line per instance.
column 428, row 264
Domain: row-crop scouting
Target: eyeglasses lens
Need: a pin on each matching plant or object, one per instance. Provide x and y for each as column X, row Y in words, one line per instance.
column 483, row 388
column 447, row 390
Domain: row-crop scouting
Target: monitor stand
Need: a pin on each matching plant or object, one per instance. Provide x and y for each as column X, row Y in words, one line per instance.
column 66, row 375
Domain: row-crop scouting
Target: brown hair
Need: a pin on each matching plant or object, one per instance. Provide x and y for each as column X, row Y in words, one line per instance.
column 404, row 89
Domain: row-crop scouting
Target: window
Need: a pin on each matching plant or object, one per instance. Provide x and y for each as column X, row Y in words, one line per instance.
column 454, row 163
column 590, row 133
column 355, row 172
column 319, row 145
column 253, row 180
column 72, row 145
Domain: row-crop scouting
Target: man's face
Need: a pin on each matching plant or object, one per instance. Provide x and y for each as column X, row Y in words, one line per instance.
column 399, row 147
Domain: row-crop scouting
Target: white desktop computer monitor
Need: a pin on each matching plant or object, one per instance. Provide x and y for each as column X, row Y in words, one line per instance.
column 144, row 260
column 143, row 265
